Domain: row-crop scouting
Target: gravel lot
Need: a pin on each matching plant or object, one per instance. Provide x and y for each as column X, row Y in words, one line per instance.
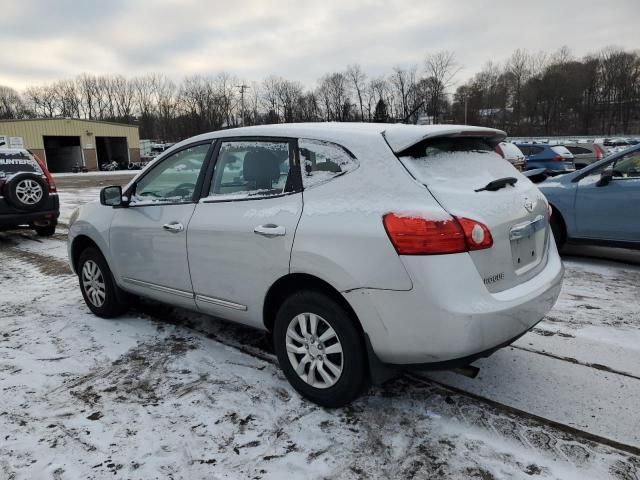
column 164, row 393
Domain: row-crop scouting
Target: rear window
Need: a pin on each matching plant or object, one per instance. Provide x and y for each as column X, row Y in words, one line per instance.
column 561, row 151
column 465, row 160
column 18, row 162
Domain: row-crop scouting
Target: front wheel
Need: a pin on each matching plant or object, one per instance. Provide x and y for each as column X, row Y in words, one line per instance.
column 559, row 230
column 100, row 292
column 320, row 350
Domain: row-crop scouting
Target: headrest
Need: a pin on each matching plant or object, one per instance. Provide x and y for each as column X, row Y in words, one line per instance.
column 261, row 166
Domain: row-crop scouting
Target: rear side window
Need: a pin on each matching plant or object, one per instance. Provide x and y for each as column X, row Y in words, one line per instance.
column 11, row 163
column 322, row 161
column 578, row 150
column 535, row 150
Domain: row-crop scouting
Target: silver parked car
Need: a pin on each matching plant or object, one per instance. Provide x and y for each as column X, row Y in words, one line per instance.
column 364, row 249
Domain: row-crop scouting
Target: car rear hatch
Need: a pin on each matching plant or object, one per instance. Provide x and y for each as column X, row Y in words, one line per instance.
column 562, row 154
column 458, row 168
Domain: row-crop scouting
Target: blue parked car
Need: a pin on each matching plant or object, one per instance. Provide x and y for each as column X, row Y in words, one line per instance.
column 553, row 158
column 599, row 204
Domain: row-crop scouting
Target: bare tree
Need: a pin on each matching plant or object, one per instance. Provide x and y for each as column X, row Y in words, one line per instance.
column 441, row 68
column 11, row 104
column 358, row 81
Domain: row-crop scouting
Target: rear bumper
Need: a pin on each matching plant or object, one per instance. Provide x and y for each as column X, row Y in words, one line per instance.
column 45, row 217
column 449, row 317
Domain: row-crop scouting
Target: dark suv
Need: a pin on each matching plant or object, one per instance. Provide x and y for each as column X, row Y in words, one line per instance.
column 28, row 195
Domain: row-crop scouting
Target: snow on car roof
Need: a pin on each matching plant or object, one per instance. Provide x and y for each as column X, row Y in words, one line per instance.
column 12, row 151
column 398, row 136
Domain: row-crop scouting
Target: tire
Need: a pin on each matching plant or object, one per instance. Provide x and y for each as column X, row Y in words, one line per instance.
column 103, row 298
column 340, row 388
column 26, row 191
column 47, row 231
column 559, row 230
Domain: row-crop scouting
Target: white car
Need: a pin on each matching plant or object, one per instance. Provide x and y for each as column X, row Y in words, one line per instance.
column 365, row 249
column 512, row 154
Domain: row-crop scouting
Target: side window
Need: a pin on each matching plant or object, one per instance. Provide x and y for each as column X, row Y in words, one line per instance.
column 627, row 166
column 535, row 150
column 173, row 180
column 578, row 150
column 321, row 161
column 250, row 169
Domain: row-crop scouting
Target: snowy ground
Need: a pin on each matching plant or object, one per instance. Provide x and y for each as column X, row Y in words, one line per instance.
column 164, row 393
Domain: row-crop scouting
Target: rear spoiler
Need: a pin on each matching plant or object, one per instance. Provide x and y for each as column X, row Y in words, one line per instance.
column 401, row 137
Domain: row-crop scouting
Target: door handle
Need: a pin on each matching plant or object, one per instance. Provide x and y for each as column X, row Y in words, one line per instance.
column 270, row 230
column 173, row 227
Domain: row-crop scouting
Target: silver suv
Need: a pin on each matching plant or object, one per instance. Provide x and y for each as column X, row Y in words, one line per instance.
column 364, row 249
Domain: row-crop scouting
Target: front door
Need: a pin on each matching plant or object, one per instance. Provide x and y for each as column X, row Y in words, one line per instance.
column 149, row 237
column 611, row 212
column 241, row 234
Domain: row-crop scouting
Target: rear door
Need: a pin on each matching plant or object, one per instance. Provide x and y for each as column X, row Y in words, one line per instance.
column 455, row 170
column 241, row 233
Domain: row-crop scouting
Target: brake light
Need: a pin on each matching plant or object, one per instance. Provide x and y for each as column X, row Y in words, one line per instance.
column 43, row 167
column 420, row 236
column 558, row 158
column 598, row 152
column 499, row 151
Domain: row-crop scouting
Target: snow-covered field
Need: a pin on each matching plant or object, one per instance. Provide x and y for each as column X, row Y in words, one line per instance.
column 162, row 393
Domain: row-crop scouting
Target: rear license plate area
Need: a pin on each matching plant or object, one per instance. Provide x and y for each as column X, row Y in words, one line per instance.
column 527, row 244
column 524, row 251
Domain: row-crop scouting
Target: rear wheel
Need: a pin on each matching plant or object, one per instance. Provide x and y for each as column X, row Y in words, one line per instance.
column 47, row 231
column 319, row 349
column 101, row 294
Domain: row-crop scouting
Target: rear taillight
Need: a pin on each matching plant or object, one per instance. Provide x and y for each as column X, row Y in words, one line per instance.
column 43, row 167
column 499, row 151
column 420, row 236
column 476, row 234
column 598, row 151
column 558, row 158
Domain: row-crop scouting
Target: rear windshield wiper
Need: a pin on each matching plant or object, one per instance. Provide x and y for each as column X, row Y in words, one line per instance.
column 498, row 184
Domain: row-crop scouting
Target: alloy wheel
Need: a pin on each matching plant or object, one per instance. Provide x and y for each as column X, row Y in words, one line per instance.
column 93, row 283
column 28, row 191
column 314, row 350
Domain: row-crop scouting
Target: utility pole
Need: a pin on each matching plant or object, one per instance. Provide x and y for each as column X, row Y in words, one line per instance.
column 242, row 88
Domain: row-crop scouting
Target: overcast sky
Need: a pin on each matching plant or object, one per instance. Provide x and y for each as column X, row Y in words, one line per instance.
column 46, row 40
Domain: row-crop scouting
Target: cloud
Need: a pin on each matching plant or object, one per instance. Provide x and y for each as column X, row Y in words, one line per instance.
column 46, row 40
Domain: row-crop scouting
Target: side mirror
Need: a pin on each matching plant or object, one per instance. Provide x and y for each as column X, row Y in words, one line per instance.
column 605, row 178
column 111, row 196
